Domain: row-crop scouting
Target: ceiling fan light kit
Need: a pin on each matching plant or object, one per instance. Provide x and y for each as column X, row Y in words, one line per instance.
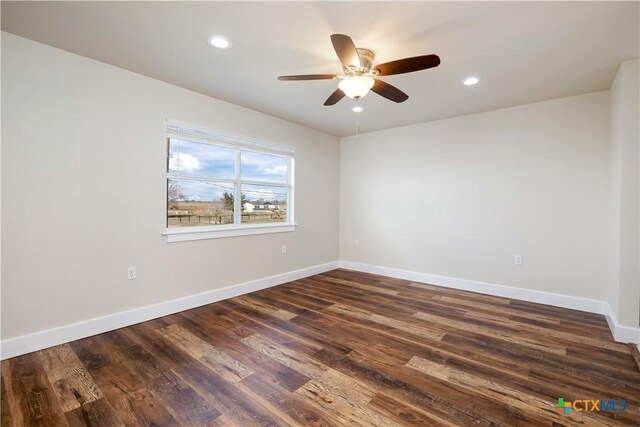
column 359, row 72
column 357, row 86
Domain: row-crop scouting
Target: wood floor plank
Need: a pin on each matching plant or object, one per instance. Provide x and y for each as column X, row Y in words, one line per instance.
column 73, row 384
column 431, row 397
column 272, row 383
column 98, row 413
column 267, row 368
column 223, row 421
column 265, row 308
column 578, row 373
column 133, row 405
column 499, row 392
column 345, row 398
column 405, row 414
column 396, row 351
column 35, row 401
column 579, row 346
column 386, row 321
column 401, row 350
column 518, row 339
column 288, row 407
column 208, row 386
column 284, row 356
column 526, row 333
column 287, row 332
column 297, row 310
column 429, row 289
column 301, row 300
column 338, row 348
column 7, row 407
column 184, row 404
column 365, row 287
column 479, row 306
column 216, row 360
column 227, row 399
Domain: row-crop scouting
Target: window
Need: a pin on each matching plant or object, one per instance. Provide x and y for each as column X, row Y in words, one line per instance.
column 220, row 186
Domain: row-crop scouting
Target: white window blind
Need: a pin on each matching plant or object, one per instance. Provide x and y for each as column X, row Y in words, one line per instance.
column 177, row 130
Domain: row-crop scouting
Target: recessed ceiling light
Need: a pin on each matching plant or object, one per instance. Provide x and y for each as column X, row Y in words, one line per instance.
column 219, row 41
column 357, row 109
column 471, row 81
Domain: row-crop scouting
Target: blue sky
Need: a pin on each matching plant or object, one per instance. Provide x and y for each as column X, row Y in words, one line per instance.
column 195, row 159
column 191, row 158
column 201, row 191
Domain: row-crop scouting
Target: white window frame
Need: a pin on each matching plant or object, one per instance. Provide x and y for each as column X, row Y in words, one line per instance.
column 191, row 134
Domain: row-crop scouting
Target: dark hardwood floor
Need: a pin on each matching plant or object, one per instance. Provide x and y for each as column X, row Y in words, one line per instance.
column 340, row 348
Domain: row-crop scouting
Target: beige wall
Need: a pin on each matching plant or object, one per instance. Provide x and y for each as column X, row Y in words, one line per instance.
column 83, row 187
column 624, row 197
column 460, row 197
column 83, row 155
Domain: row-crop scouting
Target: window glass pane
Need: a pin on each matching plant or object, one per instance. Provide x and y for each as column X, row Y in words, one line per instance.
column 261, row 204
column 263, row 167
column 192, row 158
column 192, row 203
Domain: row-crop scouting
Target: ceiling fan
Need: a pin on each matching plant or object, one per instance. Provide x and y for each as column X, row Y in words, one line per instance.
column 359, row 72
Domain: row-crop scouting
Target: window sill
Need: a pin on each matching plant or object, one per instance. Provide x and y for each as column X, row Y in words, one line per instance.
column 201, row 233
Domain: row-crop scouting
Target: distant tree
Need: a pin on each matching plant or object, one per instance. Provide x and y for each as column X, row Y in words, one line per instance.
column 173, row 191
column 227, row 198
column 228, row 201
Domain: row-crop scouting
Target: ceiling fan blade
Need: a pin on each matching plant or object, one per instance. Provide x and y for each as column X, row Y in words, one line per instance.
column 309, row 77
column 346, row 50
column 390, row 92
column 408, row 65
column 334, row 98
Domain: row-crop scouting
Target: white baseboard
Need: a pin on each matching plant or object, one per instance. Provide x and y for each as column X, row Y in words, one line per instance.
column 37, row 341
column 620, row 332
column 623, row 334
column 558, row 300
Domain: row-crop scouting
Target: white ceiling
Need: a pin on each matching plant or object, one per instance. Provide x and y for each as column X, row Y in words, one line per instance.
column 523, row 52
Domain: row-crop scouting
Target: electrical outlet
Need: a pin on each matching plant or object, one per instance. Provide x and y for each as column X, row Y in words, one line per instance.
column 284, row 249
column 356, row 242
column 517, row 260
column 131, row 273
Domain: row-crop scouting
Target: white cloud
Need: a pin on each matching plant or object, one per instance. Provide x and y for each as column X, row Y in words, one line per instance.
column 276, row 170
column 188, row 163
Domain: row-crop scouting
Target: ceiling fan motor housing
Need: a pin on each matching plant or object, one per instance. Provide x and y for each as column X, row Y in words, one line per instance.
column 366, row 57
